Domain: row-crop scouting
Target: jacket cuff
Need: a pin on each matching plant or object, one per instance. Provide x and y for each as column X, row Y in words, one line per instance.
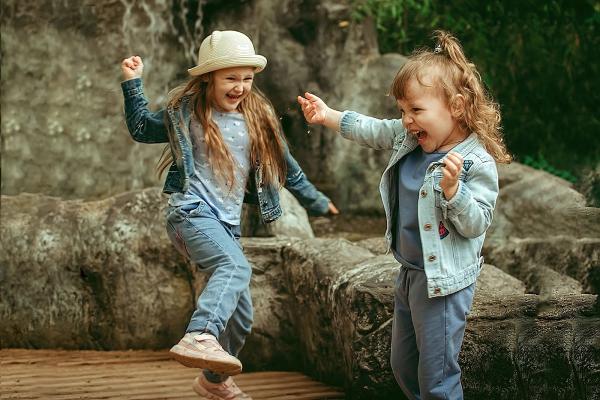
column 458, row 202
column 347, row 122
column 320, row 206
column 132, row 87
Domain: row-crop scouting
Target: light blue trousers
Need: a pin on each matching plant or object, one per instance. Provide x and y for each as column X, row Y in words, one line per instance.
column 224, row 309
column 427, row 335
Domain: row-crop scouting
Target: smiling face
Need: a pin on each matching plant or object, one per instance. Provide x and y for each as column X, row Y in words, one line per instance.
column 231, row 86
column 426, row 114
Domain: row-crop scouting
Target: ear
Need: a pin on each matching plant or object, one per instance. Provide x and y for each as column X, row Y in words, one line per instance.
column 205, row 77
column 457, row 106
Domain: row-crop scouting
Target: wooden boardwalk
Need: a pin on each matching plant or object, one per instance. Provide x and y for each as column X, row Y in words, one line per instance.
column 134, row 375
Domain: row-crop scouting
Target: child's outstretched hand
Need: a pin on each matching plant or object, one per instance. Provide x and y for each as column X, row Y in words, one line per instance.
column 332, row 209
column 451, row 170
column 132, row 67
column 314, row 109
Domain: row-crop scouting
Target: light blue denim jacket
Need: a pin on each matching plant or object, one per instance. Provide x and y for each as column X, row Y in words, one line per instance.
column 452, row 261
column 151, row 127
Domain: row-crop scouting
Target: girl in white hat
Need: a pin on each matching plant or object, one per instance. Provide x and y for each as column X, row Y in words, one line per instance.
column 225, row 147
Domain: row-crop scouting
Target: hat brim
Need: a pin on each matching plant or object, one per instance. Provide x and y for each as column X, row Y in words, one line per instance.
column 257, row 61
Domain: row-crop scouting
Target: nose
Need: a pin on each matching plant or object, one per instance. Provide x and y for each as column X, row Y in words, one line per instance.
column 407, row 120
column 238, row 88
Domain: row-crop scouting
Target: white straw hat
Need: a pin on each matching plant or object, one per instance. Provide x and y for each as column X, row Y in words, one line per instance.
column 226, row 49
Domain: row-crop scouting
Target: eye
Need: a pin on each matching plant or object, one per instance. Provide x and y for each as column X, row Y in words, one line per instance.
column 417, row 109
column 248, row 79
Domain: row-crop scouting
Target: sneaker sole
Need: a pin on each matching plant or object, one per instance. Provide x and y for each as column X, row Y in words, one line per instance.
column 200, row 390
column 220, row 367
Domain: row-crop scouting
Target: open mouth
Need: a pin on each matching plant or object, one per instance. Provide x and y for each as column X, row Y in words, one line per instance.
column 420, row 135
column 234, row 97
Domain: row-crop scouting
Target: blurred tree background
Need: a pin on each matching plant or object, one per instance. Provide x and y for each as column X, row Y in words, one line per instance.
column 537, row 58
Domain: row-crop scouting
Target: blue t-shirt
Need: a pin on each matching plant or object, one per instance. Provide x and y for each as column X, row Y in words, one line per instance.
column 406, row 241
column 225, row 201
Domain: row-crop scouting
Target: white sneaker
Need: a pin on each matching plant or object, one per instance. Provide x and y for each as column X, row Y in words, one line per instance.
column 202, row 350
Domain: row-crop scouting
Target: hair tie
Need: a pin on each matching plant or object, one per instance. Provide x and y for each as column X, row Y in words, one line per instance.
column 438, row 49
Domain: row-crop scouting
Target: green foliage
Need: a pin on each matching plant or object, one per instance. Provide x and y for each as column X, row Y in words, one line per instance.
column 538, row 59
column 540, row 162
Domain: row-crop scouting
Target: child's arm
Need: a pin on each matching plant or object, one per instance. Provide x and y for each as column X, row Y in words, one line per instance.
column 471, row 204
column 144, row 126
column 367, row 131
column 307, row 194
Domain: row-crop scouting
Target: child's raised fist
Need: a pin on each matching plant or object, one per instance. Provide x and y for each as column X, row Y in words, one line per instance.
column 132, row 67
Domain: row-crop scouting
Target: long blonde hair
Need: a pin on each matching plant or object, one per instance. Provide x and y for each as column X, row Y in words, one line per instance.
column 455, row 75
column 267, row 142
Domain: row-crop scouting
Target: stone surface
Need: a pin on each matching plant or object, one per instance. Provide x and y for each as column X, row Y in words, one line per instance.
column 306, row 46
column 95, row 275
column 102, row 275
column 106, row 269
column 571, row 257
column 493, row 281
column 541, row 221
column 536, row 204
column 292, row 223
column 62, row 121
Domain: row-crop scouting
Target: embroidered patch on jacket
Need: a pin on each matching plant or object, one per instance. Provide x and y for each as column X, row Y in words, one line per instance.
column 443, row 230
column 467, row 164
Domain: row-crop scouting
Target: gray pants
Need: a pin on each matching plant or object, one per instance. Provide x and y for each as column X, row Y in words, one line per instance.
column 427, row 335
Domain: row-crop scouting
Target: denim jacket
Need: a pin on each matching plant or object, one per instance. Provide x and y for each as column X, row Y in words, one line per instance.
column 452, row 231
column 150, row 127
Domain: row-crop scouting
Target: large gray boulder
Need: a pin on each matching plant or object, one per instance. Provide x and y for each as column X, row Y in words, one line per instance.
column 544, row 233
column 307, row 46
column 105, row 271
column 102, row 275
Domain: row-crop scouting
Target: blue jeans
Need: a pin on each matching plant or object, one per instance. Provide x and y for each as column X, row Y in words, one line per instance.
column 427, row 334
column 224, row 309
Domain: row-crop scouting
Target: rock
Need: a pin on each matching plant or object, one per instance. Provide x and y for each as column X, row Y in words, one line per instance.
column 103, row 275
column 87, row 148
column 293, row 222
column 493, row 281
column 570, row 257
column 541, row 221
column 377, row 245
column 90, row 275
column 112, row 276
column 534, row 203
column 306, row 48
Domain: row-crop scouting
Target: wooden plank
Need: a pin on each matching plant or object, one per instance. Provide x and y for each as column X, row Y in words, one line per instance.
column 135, row 375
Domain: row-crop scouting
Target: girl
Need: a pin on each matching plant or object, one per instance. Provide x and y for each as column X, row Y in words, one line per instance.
column 439, row 192
column 225, row 147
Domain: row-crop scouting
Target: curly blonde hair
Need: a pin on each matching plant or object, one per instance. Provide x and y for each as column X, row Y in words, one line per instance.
column 267, row 142
column 454, row 75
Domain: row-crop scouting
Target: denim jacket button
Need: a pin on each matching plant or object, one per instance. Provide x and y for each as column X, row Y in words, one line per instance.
column 437, row 290
column 427, row 227
column 423, row 193
column 431, row 258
